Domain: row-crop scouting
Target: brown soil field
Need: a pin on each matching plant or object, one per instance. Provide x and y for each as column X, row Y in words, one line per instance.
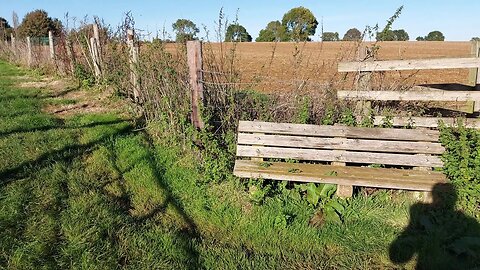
column 291, row 66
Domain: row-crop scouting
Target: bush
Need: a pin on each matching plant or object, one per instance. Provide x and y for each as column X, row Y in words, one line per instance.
column 462, row 165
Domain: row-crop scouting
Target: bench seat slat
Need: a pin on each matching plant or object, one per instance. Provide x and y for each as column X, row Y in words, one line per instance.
column 339, row 131
column 339, row 156
column 341, row 144
column 372, row 177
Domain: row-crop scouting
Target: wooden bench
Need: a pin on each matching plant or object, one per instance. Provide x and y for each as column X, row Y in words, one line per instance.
column 314, row 153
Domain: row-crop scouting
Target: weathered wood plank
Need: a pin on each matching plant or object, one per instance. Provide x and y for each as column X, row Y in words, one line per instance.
column 372, row 177
column 133, row 61
column 339, row 131
column 29, row 52
column 412, row 64
column 51, row 45
column 474, row 74
column 194, row 59
column 381, row 174
column 434, row 95
column 332, row 155
column 341, row 144
column 430, row 122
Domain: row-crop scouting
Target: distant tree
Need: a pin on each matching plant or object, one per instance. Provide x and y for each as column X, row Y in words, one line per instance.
column 475, row 39
column 185, row 30
column 37, row 24
column 420, row 38
column 4, row 24
column 400, row 35
column 387, row 34
column 353, row 34
column 330, row 36
column 435, row 36
column 5, row 29
column 274, row 31
column 393, row 35
column 237, row 33
column 300, row 23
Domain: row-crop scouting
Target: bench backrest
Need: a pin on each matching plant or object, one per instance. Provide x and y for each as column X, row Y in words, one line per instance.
column 399, row 147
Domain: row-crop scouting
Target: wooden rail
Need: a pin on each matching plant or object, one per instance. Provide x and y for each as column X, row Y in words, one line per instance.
column 429, row 122
column 413, row 64
column 433, row 95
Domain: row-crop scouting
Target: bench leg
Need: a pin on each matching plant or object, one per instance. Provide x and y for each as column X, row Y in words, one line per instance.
column 423, row 196
column 344, row 191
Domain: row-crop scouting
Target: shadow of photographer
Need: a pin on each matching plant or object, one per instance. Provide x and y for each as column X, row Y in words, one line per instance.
column 440, row 236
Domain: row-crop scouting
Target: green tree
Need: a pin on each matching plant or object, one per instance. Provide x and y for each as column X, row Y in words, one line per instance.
column 237, row 33
column 185, row 30
column 420, row 38
column 5, row 29
column 401, row 35
column 352, row 34
column 435, row 36
column 37, row 24
column 300, row 23
column 274, row 31
column 330, row 36
column 475, row 39
column 393, row 35
column 387, row 34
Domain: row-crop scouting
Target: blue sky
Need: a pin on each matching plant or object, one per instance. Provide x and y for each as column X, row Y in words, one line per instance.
column 456, row 19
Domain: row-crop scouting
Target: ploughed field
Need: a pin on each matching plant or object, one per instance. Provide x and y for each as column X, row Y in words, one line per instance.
column 312, row 65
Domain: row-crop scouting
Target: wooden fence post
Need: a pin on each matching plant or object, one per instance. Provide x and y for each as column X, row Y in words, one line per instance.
column 14, row 45
column 133, row 59
column 474, row 74
column 94, row 53
column 363, row 83
column 29, row 52
column 51, row 45
column 96, row 35
column 194, row 57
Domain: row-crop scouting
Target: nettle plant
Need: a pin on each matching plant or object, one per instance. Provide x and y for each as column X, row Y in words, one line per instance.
column 462, row 165
column 320, row 197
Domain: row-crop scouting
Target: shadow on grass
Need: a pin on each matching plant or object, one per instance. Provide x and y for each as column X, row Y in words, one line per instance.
column 60, row 94
column 442, row 237
column 66, row 154
column 191, row 234
column 59, row 125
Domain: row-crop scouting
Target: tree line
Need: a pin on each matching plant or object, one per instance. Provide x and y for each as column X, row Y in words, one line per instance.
column 297, row 24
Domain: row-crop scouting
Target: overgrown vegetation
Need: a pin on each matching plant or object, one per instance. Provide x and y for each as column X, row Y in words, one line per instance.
column 99, row 191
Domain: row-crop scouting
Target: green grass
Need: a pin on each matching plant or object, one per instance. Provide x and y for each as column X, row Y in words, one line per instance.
column 89, row 192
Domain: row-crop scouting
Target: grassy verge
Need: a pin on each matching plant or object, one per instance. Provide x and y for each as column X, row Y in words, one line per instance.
column 89, row 192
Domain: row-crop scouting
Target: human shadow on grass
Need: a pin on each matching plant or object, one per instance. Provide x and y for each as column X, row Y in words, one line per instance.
column 440, row 236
